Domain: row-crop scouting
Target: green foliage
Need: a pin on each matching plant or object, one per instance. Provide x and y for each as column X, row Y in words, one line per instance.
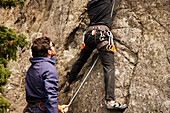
column 11, row 3
column 3, row 61
column 4, row 105
column 5, row 73
column 9, row 44
column 9, row 41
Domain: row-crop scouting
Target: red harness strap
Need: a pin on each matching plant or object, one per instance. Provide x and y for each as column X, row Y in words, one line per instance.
column 41, row 107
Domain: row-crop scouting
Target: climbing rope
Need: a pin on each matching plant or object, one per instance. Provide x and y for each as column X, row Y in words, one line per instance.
column 112, row 8
column 83, row 81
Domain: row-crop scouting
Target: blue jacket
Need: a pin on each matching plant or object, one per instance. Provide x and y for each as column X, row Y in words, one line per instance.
column 41, row 83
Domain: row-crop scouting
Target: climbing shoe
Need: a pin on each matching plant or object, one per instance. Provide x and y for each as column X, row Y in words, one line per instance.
column 66, row 87
column 113, row 105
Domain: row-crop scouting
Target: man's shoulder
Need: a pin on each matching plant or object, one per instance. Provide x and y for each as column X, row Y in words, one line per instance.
column 47, row 65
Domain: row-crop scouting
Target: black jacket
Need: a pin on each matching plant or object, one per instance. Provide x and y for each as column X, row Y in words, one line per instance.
column 99, row 12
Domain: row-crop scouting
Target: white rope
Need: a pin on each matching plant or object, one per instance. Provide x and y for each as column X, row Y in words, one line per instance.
column 112, row 8
column 83, row 81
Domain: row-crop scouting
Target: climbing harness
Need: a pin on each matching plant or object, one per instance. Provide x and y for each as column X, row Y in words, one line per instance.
column 40, row 105
column 103, row 37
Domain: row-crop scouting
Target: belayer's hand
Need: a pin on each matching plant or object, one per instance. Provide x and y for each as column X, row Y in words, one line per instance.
column 64, row 108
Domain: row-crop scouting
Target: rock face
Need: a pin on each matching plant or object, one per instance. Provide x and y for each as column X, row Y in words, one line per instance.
column 141, row 35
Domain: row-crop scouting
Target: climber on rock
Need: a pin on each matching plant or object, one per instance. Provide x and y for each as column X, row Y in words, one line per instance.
column 41, row 82
column 98, row 35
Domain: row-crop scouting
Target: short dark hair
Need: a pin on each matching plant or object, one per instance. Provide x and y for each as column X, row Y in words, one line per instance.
column 41, row 46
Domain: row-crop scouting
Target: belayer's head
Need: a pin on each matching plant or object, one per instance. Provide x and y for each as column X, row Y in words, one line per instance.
column 43, row 47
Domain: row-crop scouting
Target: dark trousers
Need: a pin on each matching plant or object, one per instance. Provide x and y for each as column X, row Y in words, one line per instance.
column 107, row 59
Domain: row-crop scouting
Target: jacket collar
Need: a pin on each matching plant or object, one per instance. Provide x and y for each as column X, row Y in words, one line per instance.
column 42, row 59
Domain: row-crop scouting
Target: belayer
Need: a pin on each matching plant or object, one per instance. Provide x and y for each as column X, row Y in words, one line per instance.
column 41, row 82
column 98, row 35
